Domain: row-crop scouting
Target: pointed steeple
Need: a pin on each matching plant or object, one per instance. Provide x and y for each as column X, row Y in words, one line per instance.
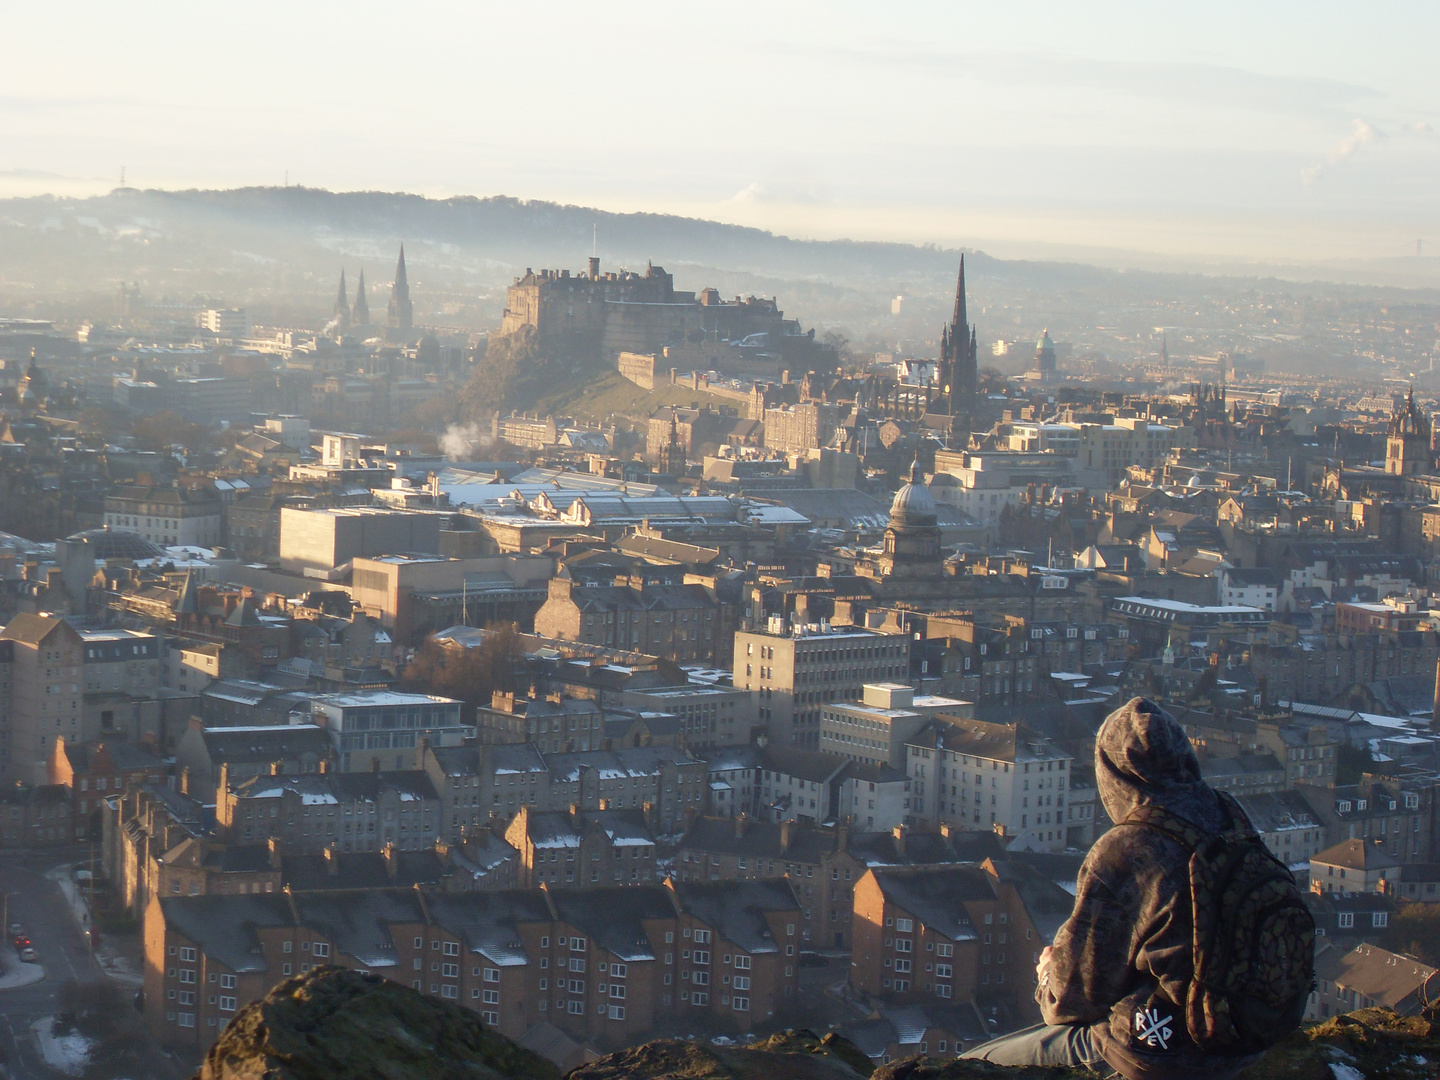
column 360, row 313
column 959, row 318
column 402, row 314
column 342, row 303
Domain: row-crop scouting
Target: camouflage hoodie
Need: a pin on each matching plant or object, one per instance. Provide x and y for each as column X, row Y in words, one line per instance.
column 1123, row 958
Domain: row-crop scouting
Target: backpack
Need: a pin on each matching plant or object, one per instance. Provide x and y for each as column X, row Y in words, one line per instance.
column 1254, row 938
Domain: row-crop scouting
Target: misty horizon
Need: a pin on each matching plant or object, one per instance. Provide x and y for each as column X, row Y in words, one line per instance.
column 1126, row 138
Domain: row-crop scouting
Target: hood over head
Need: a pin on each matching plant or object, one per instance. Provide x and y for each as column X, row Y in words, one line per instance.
column 1143, row 756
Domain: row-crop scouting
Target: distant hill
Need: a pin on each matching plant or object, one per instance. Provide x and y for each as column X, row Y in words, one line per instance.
column 279, row 251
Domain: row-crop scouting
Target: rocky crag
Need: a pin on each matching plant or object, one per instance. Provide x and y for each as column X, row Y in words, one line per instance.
column 333, row 1024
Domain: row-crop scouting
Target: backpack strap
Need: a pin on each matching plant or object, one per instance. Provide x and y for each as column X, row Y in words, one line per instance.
column 1150, row 816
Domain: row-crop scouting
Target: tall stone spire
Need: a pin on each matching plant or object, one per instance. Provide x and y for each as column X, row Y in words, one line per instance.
column 360, row 313
column 958, row 356
column 342, row 305
column 402, row 314
column 959, row 319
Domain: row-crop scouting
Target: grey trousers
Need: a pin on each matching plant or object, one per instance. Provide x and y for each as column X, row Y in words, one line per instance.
column 1045, row 1044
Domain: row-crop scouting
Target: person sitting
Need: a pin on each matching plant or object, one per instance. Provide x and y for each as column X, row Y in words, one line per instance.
column 1115, row 988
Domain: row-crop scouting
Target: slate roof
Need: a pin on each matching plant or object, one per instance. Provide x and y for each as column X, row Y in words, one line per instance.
column 736, row 909
column 761, row 839
column 362, row 870
column 937, row 895
column 487, row 922
column 1384, row 977
column 1356, row 855
column 223, row 927
column 261, row 745
column 614, row 918
column 358, row 923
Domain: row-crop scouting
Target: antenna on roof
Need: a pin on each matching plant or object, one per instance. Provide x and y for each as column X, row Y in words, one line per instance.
column 594, row 239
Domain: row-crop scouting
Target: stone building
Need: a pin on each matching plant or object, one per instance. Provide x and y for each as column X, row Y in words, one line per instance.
column 967, row 933
column 605, row 966
column 795, row 673
column 674, row 622
column 582, row 849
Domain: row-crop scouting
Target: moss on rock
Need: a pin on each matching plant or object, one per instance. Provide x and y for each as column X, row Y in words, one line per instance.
column 336, row 1024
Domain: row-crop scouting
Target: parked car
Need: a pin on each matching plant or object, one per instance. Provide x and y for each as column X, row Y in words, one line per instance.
column 27, row 955
column 20, row 941
column 16, row 929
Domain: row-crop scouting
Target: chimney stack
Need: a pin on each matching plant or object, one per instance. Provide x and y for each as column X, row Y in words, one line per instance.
column 900, row 832
column 785, row 829
column 332, row 861
column 742, row 822
column 388, row 853
column 185, row 781
column 275, row 852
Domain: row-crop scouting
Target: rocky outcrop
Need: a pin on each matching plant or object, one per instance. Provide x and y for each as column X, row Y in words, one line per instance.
column 1373, row 1044
column 789, row 1055
column 335, row 1024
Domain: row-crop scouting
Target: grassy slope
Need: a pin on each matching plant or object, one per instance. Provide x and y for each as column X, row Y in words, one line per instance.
column 596, row 399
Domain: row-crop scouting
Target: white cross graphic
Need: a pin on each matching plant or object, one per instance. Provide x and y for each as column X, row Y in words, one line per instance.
column 1153, row 1029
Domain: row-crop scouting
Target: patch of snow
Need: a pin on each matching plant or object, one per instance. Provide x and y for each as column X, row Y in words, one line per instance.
column 1341, row 1071
column 68, row 1054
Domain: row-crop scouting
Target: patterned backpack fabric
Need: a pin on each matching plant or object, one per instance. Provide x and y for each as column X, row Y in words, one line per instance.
column 1254, row 938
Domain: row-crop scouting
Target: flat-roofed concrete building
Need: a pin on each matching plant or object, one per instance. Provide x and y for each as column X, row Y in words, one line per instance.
column 317, row 542
column 709, row 715
column 386, row 726
column 874, row 729
column 417, row 594
column 796, row 673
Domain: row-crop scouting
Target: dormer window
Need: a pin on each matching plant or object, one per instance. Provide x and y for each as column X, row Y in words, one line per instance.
column 1344, row 807
column 1360, row 804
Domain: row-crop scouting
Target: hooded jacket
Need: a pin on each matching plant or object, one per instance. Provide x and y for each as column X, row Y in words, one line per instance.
column 1126, row 948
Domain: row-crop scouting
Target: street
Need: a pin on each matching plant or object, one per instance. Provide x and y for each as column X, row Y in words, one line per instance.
column 61, row 948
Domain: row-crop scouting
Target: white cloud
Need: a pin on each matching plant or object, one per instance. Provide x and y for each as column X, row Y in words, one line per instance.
column 1362, row 134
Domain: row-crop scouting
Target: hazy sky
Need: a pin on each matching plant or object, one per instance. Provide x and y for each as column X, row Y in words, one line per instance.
column 1261, row 130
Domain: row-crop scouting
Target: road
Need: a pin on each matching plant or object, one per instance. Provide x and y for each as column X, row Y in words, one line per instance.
column 59, row 944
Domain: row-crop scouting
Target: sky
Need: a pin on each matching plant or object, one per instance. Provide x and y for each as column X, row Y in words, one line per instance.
column 1259, row 131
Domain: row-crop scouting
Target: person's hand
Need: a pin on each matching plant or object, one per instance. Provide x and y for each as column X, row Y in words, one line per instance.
column 1042, row 967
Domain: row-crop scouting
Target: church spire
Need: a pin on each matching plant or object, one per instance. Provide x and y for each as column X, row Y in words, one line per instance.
column 360, row 313
column 402, row 314
column 342, row 304
column 959, row 318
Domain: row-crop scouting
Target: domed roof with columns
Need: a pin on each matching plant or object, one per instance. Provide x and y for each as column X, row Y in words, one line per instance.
column 913, row 504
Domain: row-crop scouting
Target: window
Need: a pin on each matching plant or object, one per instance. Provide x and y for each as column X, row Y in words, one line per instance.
column 702, row 937
column 187, row 975
column 492, row 974
column 576, row 1008
column 452, row 948
column 187, row 956
column 490, row 997
column 449, row 990
column 227, row 1004
column 227, row 982
column 617, row 1012
column 321, row 949
column 186, row 1019
column 904, row 926
column 740, row 1004
column 450, row 971
column 698, row 998
column 1380, row 918
column 1347, row 920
